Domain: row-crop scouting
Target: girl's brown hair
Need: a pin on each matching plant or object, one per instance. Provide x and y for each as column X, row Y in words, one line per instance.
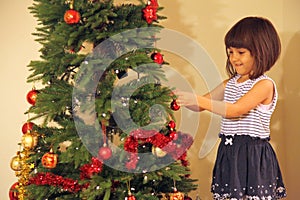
column 259, row 36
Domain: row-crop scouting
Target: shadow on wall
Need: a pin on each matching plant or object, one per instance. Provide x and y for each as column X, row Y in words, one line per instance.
column 290, row 117
column 199, row 20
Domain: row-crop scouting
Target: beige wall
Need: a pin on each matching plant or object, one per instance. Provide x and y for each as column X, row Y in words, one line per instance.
column 204, row 21
column 290, row 89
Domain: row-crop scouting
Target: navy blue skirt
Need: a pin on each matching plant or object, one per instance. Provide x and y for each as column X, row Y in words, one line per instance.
column 246, row 168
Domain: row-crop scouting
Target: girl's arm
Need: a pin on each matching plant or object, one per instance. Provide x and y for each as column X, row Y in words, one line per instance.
column 216, row 94
column 262, row 92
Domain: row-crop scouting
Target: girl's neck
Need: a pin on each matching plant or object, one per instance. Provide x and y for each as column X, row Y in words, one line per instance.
column 243, row 78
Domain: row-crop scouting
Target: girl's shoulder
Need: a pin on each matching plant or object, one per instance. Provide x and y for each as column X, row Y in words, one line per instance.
column 263, row 77
column 232, row 81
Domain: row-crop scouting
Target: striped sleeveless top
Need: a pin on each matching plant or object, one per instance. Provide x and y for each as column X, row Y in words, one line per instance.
column 255, row 123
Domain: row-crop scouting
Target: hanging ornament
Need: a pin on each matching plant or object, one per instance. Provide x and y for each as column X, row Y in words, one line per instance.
column 173, row 135
column 174, row 105
column 13, row 191
column 31, row 96
column 72, row 16
column 149, row 14
column 145, row 179
column 27, row 127
column 158, row 152
column 50, row 159
column 153, row 3
column 16, row 162
column 121, row 73
column 29, row 140
column 104, row 152
column 130, row 196
column 176, row 195
column 158, row 58
column 172, row 125
column 187, row 198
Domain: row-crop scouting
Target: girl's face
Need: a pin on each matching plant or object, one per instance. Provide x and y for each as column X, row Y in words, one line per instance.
column 242, row 60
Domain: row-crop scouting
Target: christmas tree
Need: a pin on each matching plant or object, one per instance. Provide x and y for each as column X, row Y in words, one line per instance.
column 106, row 125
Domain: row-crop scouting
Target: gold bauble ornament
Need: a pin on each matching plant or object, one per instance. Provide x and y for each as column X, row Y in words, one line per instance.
column 176, row 195
column 158, row 152
column 29, row 140
column 16, row 163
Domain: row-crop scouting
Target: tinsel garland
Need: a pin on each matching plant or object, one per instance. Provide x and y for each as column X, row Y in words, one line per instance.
column 140, row 137
column 68, row 184
column 132, row 161
column 47, row 178
column 87, row 170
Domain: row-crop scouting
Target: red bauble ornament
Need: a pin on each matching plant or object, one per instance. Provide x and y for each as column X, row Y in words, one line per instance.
column 49, row 160
column 158, row 58
column 172, row 125
column 72, row 16
column 149, row 13
column 13, row 192
column 104, row 153
column 174, row 105
column 31, row 96
column 130, row 196
column 153, row 3
column 27, row 127
column 173, row 135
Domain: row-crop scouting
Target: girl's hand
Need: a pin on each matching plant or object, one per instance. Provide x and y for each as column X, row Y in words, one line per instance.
column 186, row 99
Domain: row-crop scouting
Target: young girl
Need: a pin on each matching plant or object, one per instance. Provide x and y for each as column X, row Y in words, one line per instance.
column 246, row 166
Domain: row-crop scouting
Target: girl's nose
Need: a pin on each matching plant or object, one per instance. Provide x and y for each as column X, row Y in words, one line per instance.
column 234, row 56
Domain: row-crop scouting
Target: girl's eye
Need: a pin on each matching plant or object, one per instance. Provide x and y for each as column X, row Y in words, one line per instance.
column 241, row 52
